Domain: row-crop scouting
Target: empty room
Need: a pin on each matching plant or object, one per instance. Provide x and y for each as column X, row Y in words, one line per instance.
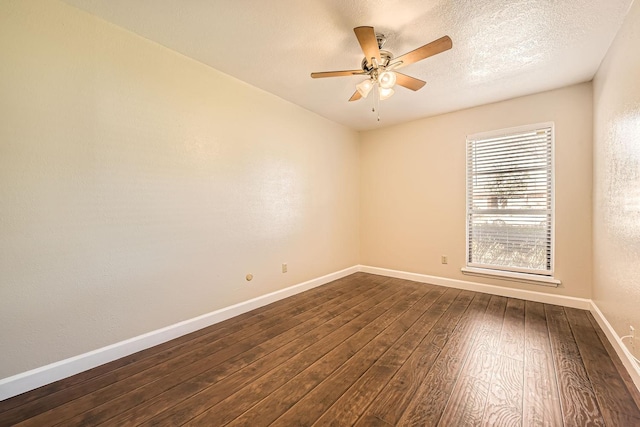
column 323, row 212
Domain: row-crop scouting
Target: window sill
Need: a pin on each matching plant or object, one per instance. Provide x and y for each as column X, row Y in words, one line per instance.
column 508, row 275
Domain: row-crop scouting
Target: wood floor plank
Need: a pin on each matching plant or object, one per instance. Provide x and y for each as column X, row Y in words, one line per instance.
column 578, row 401
column 279, row 346
column 227, row 326
column 541, row 404
column 512, row 339
column 349, row 407
column 504, row 403
column 425, row 381
column 610, row 390
column 306, row 409
column 305, row 350
column 469, row 396
column 137, row 404
column 614, row 418
column 197, row 356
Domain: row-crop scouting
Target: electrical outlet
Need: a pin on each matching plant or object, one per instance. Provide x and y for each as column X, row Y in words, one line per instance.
column 444, row 259
column 284, row 267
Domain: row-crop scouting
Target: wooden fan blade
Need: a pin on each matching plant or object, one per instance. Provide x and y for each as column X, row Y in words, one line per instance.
column 368, row 42
column 409, row 82
column 336, row 74
column 430, row 49
column 355, row 96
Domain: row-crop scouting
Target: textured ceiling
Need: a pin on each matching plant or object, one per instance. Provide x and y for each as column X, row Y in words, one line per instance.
column 501, row 48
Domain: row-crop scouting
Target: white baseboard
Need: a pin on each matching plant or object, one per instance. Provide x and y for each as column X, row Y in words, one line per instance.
column 20, row 383
column 625, row 356
column 23, row 382
column 547, row 298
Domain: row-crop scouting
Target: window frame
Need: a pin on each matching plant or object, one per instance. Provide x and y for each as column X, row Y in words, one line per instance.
column 509, row 272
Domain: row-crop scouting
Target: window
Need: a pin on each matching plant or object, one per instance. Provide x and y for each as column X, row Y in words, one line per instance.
column 510, row 201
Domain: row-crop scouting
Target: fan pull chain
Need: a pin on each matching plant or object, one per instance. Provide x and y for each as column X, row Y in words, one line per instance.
column 373, row 101
column 377, row 101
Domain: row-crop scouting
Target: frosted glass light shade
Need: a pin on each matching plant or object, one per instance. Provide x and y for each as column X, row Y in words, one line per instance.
column 387, row 79
column 385, row 93
column 364, row 87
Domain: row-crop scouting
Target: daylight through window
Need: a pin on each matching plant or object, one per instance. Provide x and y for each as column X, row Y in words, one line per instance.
column 510, row 200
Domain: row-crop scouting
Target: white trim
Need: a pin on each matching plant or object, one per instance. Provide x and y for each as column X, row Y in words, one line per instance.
column 625, row 356
column 25, row 381
column 510, row 130
column 566, row 301
column 536, row 279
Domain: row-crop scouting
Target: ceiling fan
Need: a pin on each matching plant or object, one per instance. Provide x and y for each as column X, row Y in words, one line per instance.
column 380, row 65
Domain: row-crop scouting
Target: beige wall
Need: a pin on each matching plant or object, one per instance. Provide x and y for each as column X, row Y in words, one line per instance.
column 616, row 205
column 412, row 202
column 138, row 187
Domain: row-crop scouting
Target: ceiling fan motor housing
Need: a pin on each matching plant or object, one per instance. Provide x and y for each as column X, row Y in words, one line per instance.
column 385, row 59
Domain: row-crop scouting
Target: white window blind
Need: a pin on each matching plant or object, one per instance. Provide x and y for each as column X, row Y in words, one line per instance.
column 510, row 200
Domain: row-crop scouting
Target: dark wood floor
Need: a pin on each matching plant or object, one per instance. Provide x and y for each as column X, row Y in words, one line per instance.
column 365, row 350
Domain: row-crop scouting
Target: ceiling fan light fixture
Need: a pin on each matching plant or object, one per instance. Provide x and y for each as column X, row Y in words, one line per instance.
column 386, row 93
column 387, row 79
column 379, row 66
column 364, row 87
